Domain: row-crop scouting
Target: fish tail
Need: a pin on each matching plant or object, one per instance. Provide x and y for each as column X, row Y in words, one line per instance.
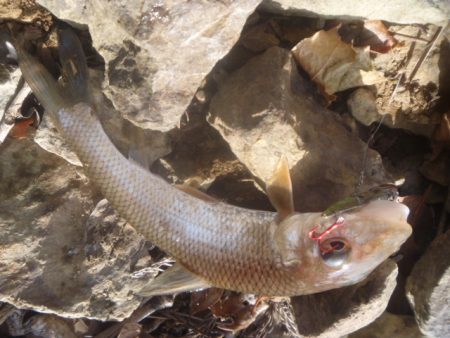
column 74, row 67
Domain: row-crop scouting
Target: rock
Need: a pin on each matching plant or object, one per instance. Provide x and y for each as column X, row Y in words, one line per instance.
column 390, row 325
column 58, row 255
column 409, row 11
column 157, row 54
column 25, row 11
column 428, row 289
column 265, row 109
column 143, row 146
column 49, row 139
column 9, row 82
column 407, row 100
column 339, row 312
column 362, row 105
column 260, row 37
column 437, row 168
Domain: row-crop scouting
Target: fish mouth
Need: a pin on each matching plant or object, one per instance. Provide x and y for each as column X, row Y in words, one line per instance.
column 389, row 212
column 394, row 215
column 395, row 211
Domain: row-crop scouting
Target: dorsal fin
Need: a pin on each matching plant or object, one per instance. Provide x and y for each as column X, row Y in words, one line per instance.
column 279, row 190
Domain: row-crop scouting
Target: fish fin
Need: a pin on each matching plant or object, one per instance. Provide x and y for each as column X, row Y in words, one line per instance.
column 279, row 190
column 176, row 279
column 195, row 193
column 192, row 187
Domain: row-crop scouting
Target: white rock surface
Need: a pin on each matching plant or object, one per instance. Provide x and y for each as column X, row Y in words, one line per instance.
column 400, row 11
column 157, row 53
column 9, row 80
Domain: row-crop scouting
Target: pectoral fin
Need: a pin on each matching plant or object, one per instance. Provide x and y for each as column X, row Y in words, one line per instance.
column 176, row 279
column 196, row 193
column 279, row 190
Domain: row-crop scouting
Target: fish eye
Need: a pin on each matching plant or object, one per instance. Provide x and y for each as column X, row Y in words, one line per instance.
column 335, row 251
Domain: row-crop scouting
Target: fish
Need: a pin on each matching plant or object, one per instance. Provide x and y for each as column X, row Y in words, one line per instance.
column 215, row 244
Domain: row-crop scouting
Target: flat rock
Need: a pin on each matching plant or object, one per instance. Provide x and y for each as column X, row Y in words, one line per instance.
column 266, row 109
column 339, row 312
column 428, row 289
column 401, row 11
column 157, row 53
column 60, row 253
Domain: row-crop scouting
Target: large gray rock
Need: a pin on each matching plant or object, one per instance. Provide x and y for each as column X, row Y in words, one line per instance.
column 428, row 289
column 339, row 312
column 265, row 109
column 157, row 52
column 400, row 11
column 59, row 254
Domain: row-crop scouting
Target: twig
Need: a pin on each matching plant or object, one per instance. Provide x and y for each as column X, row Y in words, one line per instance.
column 426, row 52
column 154, row 304
column 411, row 37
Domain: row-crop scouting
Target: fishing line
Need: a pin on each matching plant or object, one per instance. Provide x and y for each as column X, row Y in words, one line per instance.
column 372, row 136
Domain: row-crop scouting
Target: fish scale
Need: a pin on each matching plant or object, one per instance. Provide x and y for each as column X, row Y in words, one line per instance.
column 214, row 243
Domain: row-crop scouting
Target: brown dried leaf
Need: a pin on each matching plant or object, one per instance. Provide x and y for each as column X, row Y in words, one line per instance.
column 241, row 309
column 204, row 299
column 376, row 35
column 334, row 64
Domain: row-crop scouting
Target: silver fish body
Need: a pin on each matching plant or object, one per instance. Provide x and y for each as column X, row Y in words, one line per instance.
column 225, row 246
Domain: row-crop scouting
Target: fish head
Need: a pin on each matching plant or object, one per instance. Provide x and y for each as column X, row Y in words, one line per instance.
column 328, row 252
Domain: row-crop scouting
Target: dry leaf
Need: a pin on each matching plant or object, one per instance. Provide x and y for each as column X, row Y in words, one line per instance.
column 334, row 64
column 240, row 309
column 204, row 299
column 375, row 34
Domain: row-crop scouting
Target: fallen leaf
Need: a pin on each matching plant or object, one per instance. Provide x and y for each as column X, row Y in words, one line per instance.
column 20, row 129
column 334, row 64
column 239, row 310
column 204, row 299
column 375, row 35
